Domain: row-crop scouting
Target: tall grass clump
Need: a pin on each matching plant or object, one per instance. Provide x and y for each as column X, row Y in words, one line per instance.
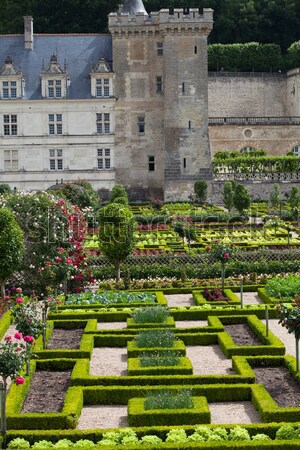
column 155, row 339
column 151, row 314
column 156, row 359
column 167, row 399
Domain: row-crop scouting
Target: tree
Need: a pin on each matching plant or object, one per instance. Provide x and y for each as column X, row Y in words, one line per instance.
column 228, row 194
column 275, row 197
column 116, row 233
column 11, row 246
column 200, row 190
column 241, row 198
column 294, row 202
column 118, row 191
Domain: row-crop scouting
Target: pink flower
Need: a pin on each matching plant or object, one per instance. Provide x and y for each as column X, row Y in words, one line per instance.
column 28, row 338
column 19, row 300
column 18, row 335
column 20, row 380
column 19, row 349
column 207, row 248
column 47, row 263
column 69, row 260
column 61, row 249
column 19, row 290
column 8, row 338
column 58, row 259
column 226, row 256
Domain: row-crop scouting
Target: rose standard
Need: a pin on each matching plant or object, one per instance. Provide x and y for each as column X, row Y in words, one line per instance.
column 28, row 322
column 221, row 252
column 12, row 360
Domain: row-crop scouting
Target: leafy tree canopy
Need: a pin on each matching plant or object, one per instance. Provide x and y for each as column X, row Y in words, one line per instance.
column 235, row 21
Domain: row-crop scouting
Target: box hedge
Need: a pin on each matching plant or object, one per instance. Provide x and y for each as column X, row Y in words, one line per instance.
column 184, row 367
column 139, row 416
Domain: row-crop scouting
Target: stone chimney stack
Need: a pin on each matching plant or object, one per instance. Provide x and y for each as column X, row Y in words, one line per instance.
column 28, row 32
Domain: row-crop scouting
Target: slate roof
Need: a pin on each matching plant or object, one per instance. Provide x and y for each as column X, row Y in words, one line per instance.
column 80, row 52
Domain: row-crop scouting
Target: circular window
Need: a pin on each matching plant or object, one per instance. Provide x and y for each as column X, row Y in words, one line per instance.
column 247, row 149
column 248, row 133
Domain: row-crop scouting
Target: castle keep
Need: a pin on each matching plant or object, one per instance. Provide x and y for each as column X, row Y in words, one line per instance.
column 135, row 107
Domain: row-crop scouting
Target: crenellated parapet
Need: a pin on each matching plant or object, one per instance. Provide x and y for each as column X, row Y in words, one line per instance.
column 165, row 21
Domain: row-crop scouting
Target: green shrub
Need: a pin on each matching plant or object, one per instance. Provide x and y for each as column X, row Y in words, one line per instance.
column 155, row 338
column 181, row 399
column 155, row 314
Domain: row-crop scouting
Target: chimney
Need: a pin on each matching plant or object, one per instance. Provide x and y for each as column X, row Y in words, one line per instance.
column 28, row 32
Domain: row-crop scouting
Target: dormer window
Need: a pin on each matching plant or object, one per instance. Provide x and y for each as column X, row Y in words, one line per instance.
column 54, row 80
column 102, row 87
column 101, row 80
column 54, row 88
column 10, row 81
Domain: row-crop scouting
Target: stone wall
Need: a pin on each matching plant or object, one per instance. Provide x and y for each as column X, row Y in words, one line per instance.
column 244, row 95
column 275, row 139
column 257, row 190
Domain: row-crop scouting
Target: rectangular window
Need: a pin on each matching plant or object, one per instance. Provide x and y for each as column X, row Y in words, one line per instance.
column 141, row 124
column 184, row 163
column 103, row 123
column 159, row 48
column 103, row 159
column 10, row 126
column 55, row 123
column 56, row 159
column 9, row 89
column 159, row 84
column 151, row 163
column 11, row 160
column 54, row 89
column 102, row 87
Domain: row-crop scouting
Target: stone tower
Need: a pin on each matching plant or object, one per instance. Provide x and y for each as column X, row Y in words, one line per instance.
column 161, row 112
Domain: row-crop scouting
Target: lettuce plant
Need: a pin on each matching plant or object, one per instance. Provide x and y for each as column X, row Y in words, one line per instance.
column 176, row 436
column 18, row 443
column 239, row 434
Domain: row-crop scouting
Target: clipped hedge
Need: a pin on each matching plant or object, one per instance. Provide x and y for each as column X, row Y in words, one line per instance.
column 271, row 345
column 67, row 418
column 169, row 323
column 138, row 416
column 184, row 367
column 133, row 351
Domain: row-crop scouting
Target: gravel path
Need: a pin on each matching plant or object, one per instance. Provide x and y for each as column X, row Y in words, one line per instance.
column 180, row 300
column 111, row 325
column 114, row 416
column 287, row 339
column 108, row 361
column 233, row 412
column 251, row 298
column 191, row 323
column 209, row 360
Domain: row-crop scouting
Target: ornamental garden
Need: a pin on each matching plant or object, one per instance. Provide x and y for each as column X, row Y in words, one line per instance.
column 149, row 325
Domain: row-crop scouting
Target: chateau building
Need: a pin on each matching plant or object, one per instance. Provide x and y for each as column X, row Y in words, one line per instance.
column 136, row 107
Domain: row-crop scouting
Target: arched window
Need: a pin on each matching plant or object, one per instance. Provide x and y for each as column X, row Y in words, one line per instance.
column 247, row 149
column 296, row 150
